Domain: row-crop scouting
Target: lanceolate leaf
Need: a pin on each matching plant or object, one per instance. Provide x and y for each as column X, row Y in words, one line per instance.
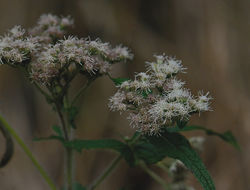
column 80, row 145
column 57, row 130
column 153, row 149
column 226, row 136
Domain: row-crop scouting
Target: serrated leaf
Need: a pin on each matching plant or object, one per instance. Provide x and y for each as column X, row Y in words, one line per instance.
column 57, row 130
column 78, row 145
column 226, row 136
column 152, row 149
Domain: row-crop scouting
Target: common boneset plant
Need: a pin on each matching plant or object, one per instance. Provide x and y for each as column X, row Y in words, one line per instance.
column 159, row 105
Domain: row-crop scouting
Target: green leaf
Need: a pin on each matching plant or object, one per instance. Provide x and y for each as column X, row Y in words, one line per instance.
column 145, row 93
column 119, row 81
column 226, row 136
column 153, row 149
column 57, row 130
column 58, row 136
column 78, row 145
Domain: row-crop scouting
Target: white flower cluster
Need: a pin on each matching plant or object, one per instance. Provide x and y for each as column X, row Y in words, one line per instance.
column 157, row 99
column 15, row 47
column 51, row 58
column 51, row 27
column 73, row 54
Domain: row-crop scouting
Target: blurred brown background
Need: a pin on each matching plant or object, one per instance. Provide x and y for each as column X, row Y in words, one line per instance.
column 210, row 37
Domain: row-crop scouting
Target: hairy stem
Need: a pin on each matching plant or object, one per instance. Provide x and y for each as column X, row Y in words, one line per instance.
column 106, row 173
column 29, row 154
column 155, row 176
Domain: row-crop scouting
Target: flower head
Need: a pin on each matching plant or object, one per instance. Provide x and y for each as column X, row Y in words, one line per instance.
column 50, row 27
column 16, row 47
column 51, row 58
column 157, row 99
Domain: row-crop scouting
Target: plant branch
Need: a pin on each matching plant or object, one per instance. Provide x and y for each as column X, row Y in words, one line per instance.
column 29, row 154
column 69, row 151
column 106, row 172
column 81, row 91
column 46, row 95
column 112, row 166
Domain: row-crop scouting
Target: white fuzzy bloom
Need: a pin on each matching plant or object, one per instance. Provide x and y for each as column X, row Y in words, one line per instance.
column 202, row 103
column 15, row 47
column 175, row 84
column 126, row 85
column 158, row 99
column 178, row 93
column 142, row 82
column 67, row 21
column 197, row 143
column 116, row 102
column 166, row 111
column 176, row 166
column 99, row 46
column 122, row 52
column 50, row 27
column 48, row 19
column 165, row 66
column 17, row 32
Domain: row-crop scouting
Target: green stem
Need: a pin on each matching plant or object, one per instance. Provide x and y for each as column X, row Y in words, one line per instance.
column 112, row 166
column 155, row 176
column 81, row 91
column 29, row 154
column 69, row 168
column 46, row 95
column 61, row 117
column 106, row 173
column 69, row 151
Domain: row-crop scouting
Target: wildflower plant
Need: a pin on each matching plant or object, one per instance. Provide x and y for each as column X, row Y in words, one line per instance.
column 158, row 104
